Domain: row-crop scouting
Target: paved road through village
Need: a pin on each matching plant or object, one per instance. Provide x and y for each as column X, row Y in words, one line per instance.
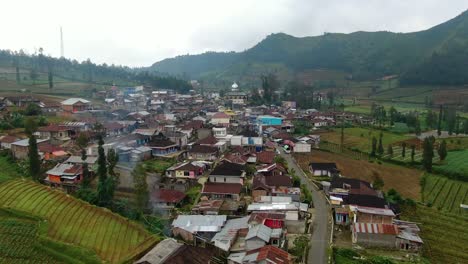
column 320, row 233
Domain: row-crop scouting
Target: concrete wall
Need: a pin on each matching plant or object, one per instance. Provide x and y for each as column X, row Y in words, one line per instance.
column 374, row 240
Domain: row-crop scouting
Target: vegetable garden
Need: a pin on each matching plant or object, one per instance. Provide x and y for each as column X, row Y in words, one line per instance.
column 443, row 233
column 445, row 194
column 113, row 238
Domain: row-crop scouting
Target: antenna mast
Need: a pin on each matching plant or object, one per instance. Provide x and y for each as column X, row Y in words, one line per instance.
column 61, row 44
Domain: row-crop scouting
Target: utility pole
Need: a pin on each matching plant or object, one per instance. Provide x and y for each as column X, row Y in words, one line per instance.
column 62, row 53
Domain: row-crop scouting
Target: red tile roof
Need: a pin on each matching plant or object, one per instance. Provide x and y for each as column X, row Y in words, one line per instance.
column 266, row 157
column 8, row 139
column 221, row 115
column 48, row 148
column 272, row 255
column 168, row 196
column 210, row 140
column 222, row 188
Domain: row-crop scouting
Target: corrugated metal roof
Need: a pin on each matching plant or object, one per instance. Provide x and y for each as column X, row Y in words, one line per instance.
column 373, row 228
column 261, row 231
column 375, row 211
column 72, row 101
column 200, row 223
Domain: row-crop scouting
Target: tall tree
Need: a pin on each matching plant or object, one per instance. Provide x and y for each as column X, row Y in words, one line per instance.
column 141, row 188
column 33, row 75
column 86, row 176
column 451, row 120
column 374, row 147
column 380, row 149
column 417, row 127
column 112, row 180
column 403, row 149
column 102, row 194
column 465, row 126
column 33, row 154
column 442, row 150
column 50, row 76
column 17, row 70
column 34, row 161
column 390, row 150
column 428, row 154
column 439, row 124
column 342, row 134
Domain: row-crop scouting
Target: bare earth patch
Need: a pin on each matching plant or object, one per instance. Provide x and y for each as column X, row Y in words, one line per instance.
column 404, row 180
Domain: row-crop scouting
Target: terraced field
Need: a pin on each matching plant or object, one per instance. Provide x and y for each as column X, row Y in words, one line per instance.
column 456, row 162
column 113, row 238
column 445, row 194
column 443, row 233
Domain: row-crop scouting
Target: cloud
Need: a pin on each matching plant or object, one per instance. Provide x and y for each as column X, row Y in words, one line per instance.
column 140, row 32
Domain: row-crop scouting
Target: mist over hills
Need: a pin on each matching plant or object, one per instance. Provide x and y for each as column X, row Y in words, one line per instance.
column 437, row 56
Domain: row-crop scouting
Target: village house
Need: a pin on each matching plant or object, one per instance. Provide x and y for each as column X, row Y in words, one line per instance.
column 279, row 185
column 231, row 233
column 261, row 235
column 228, row 172
column 203, row 152
column 197, row 227
column 163, row 201
column 162, row 146
column 186, row 170
column 374, row 235
column 73, row 105
column 5, row 141
column 169, row 251
column 220, row 119
column 215, row 190
column 52, row 152
column 267, row 254
column 274, row 204
column 20, row 148
column 65, row 175
column 20, row 101
column 408, row 237
column 323, row 169
column 58, row 134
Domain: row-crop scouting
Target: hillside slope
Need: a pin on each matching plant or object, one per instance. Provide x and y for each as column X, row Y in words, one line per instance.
column 415, row 56
column 113, row 238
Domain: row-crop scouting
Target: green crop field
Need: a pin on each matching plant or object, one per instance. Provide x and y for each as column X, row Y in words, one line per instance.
column 360, row 138
column 113, row 238
column 445, row 194
column 23, row 240
column 8, row 171
column 443, row 233
column 455, row 163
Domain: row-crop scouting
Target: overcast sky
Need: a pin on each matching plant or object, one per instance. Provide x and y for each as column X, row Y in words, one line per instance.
column 141, row 32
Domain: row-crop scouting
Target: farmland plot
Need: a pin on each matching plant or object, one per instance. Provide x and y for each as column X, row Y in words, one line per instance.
column 445, row 194
column 76, row 222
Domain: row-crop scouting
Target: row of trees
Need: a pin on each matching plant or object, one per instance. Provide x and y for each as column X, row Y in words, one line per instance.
column 88, row 71
column 107, row 177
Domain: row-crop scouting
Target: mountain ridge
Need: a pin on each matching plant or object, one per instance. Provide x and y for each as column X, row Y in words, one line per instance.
column 365, row 55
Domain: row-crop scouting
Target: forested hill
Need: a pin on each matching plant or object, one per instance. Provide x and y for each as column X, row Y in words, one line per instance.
column 37, row 64
column 438, row 55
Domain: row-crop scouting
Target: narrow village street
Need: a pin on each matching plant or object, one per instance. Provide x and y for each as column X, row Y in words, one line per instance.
column 320, row 228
